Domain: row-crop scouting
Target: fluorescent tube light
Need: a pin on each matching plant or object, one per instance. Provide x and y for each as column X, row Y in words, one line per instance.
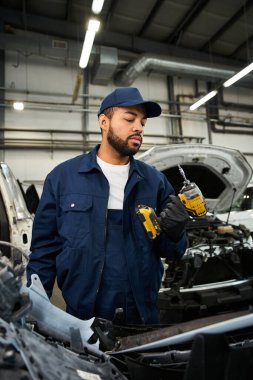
column 239, row 75
column 87, row 46
column 203, row 100
column 93, row 27
column 97, row 6
column 18, row 106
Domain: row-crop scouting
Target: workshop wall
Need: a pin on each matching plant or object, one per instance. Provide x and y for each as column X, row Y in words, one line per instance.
column 53, row 127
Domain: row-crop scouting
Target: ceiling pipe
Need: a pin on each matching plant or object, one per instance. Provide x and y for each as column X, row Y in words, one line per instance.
column 175, row 66
column 228, row 127
column 54, row 132
column 33, row 144
column 232, row 130
column 241, row 107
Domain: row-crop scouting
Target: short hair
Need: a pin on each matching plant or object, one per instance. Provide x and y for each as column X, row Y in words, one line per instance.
column 109, row 112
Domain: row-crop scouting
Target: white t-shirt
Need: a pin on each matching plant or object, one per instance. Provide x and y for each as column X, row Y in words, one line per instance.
column 117, row 176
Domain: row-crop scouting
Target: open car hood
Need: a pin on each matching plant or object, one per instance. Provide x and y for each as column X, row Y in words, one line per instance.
column 222, row 174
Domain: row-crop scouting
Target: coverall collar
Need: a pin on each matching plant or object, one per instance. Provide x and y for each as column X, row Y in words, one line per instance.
column 89, row 163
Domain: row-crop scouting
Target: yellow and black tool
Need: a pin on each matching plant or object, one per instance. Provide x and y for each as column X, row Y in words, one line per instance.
column 149, row 219
column 191, row 197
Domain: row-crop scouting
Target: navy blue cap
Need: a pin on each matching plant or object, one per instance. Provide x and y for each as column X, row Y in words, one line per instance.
column 129, row 96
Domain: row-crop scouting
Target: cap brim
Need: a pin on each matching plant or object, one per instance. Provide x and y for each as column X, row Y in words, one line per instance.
column 152, row 109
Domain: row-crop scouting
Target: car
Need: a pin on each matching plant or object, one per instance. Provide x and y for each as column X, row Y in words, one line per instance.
column 222, row 174
column 205, row 300
column 16, row 215
column 40, row 341
column 241, row 212
column 218, row 252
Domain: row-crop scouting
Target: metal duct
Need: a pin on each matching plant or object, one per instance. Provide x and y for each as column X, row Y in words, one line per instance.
column 175, row 66
column 104, row 65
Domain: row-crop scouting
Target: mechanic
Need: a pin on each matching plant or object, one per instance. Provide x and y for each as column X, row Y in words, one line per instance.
column 86, row 232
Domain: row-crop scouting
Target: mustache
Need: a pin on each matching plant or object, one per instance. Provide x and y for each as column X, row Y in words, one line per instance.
column 135, row 135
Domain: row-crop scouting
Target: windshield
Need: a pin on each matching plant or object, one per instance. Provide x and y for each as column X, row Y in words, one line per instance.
column 245, row 202
column 247, row 199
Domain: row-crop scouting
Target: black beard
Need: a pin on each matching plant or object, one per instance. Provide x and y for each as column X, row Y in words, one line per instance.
column 120, row 145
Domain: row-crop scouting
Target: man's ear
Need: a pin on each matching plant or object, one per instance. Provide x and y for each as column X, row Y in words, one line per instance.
column 103, row 122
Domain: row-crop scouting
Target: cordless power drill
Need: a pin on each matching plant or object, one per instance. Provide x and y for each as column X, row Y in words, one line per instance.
column 191, row 197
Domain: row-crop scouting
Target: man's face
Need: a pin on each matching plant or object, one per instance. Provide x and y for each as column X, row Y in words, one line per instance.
column 126, row 129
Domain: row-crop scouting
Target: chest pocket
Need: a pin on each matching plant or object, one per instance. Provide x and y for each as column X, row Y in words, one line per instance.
column 75, row 215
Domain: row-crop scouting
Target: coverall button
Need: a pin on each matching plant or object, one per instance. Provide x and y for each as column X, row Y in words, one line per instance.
column 72, row 205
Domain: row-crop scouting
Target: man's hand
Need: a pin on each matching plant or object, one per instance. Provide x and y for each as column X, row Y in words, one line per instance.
column 173, row 218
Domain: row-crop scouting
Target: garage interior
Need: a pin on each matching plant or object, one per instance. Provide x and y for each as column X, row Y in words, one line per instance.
column 175, row 52
column 188, row 47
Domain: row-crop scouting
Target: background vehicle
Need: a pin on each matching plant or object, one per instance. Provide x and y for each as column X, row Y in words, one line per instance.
column 205, row 301
column 16, row 211
column 215, row 271
column 242, row 211
column 222, row 174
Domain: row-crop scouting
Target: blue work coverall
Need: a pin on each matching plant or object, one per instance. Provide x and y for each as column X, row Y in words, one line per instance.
column 70, row 238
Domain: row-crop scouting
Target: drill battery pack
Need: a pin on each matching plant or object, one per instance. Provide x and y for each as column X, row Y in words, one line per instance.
column 149, row 220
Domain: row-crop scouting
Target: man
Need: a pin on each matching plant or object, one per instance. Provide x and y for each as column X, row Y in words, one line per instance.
column 86, row 231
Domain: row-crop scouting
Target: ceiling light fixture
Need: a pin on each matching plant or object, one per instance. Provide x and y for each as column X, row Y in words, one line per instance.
column 93, row 27
column 203, row 100
column 18, row 106
column 239, row 75
column 228, row 83
column 97, row 6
